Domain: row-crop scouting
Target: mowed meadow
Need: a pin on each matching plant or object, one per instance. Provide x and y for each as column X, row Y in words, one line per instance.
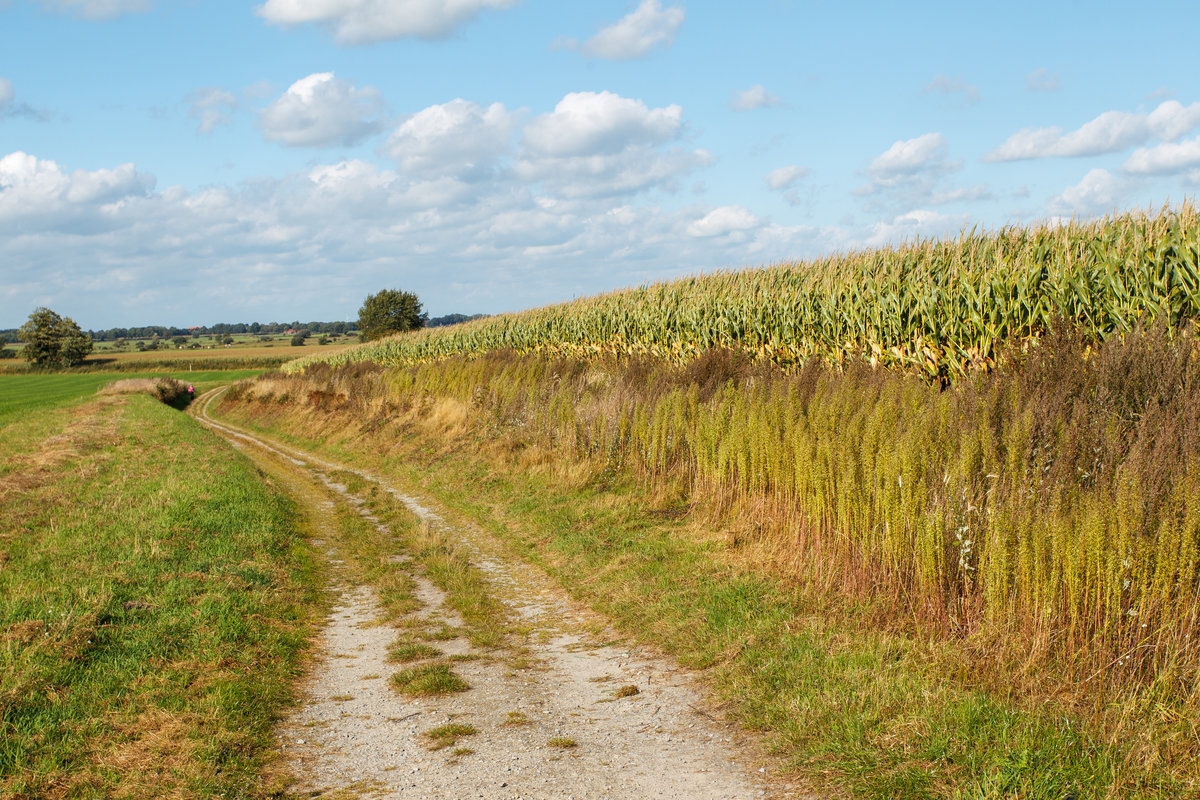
column 156, row 596
column 988, row 447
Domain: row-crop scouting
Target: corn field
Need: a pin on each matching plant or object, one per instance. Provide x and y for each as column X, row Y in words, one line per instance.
column 939, row 308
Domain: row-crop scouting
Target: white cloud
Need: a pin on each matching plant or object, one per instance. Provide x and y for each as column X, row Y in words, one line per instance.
column 1164, row 159
column 957, row 88
column 588, row 123
column 320, row 110
column 722, row 221
column 458, row 138
column 909, row 157
column 123, row 252
column 1172, row 119
column 1110, row 132
column 98, row 9
column 1098, row 193
column 634, row 35
column 920, row 222
column 211, row 106
column 912, row 173
column 355, row 22
column 1042, row 80
column 785, row 177
column 596, row 144
column 37, row 192
column 755, row 97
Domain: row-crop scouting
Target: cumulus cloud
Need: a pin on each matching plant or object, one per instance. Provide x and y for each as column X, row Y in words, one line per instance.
column 1099, row 192
column 37, row 193
column 755, row 97
column 634, row 35
column 585, row 123
column 906, row 157
column 211, row 106
column 98, row 9
column 785, row 177
column 1110, row 132
column 599, row 143
column 958, row 90
column 1164, row 159
column 913, row 173
column 920, row 222
column 1042, row 80
column 125, row 251
column 455, row 138
column 786, row 180
column 724, row 221
column 354, row 22
column 321, row 110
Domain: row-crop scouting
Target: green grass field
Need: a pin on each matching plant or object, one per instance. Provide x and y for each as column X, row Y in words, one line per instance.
column 22, row 394
column 156, row 597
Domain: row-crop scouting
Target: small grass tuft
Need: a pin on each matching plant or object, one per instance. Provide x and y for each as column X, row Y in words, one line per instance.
column 428, row 680
column 515, row 718
column 563, row 742
column 629, row 690
column 405, row 652
column 448, row 735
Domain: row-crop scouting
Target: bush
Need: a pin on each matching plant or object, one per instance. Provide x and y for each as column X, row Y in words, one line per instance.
column 165, row 390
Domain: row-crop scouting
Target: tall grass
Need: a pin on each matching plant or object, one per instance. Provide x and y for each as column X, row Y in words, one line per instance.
column 938, row 307
column 1047, row 512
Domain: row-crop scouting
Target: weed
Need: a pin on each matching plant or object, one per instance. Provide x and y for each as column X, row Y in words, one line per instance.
column 405, row 652
column 562, row 742
column 428, row 680
column 448, row 735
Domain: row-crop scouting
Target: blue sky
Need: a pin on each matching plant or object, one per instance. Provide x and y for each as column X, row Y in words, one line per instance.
column 184, row 162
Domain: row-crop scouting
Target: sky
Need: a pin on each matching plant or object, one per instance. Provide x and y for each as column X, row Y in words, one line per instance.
column 182, row 162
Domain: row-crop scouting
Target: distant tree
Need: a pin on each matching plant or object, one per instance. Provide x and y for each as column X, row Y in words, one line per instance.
column 323, row 340
column 452, row 319
column 387, row 312
column 179, row 341
column 53, row 341
column 227, row 339
column 298, row 338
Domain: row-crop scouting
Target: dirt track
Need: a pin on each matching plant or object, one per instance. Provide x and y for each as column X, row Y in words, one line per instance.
column 353, row 735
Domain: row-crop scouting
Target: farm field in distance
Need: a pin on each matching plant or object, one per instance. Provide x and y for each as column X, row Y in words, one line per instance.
column 26, row 394
column 247, row 348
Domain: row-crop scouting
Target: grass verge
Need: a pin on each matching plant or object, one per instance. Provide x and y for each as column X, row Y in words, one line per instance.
column 155, row 601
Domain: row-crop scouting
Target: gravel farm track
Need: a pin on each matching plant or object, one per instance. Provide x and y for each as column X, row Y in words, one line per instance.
column 352, row 736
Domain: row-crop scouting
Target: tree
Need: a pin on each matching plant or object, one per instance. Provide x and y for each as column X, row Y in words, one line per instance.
column 53, row 341
column 390, row 311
